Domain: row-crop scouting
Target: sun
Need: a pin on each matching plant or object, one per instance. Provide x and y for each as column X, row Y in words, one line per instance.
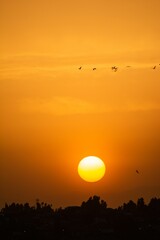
column 91, row 169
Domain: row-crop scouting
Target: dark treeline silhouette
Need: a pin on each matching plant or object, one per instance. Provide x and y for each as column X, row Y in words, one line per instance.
column 92, row 220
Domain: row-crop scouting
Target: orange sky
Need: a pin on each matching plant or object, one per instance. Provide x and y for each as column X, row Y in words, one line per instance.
column 53, row 115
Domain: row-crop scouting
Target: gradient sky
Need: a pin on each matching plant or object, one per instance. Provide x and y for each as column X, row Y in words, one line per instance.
column 53, row 115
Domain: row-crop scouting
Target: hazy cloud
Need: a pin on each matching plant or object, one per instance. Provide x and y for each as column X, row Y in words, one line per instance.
column 69, row 106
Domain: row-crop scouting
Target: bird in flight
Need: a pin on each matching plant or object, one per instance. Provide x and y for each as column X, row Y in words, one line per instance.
column 137, row 171
column 114, row 68
column 94, row 69
column 80, row 68
column 154, row 67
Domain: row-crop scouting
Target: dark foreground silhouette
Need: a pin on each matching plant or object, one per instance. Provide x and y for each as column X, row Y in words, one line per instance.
column 92, row 220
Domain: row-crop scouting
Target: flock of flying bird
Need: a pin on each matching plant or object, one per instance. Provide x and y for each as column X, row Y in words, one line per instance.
column 115, row 68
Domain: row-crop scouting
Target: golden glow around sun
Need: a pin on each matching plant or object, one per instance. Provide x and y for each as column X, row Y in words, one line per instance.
column 91, row 169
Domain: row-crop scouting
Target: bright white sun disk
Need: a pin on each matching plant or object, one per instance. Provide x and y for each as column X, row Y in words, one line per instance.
column 91, row 169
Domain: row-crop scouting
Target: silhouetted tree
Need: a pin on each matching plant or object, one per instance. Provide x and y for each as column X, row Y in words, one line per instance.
column 94, row 207
column 140, row 204
column 129, row 207
column 154, row 204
